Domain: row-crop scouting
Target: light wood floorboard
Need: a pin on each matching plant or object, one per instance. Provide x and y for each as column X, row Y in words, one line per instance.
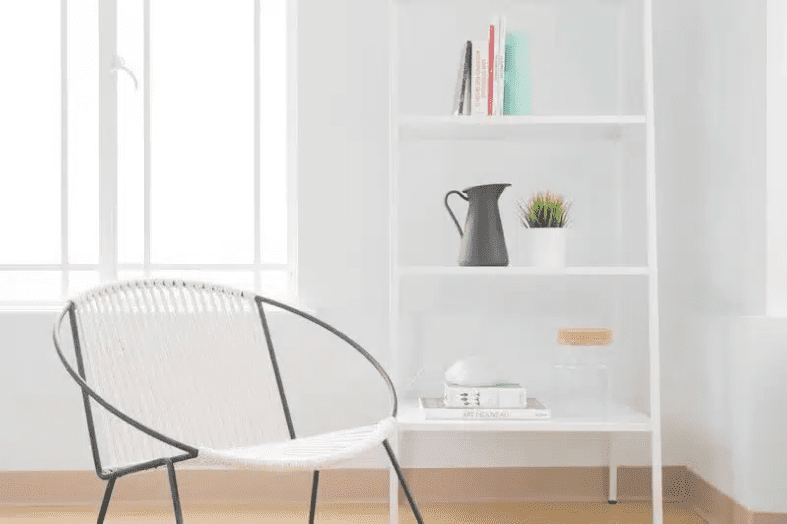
column 453, row 513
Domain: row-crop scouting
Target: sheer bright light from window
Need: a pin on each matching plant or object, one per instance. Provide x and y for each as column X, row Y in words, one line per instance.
column 30, row 134
column 203, row 143
column 82, row 132
column 273, row 55
column 202, row 120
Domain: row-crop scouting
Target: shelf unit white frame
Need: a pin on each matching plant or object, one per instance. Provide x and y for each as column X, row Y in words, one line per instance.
column 607, row 126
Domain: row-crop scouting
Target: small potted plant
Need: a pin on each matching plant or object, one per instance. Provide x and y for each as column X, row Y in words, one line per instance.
column 544, row 219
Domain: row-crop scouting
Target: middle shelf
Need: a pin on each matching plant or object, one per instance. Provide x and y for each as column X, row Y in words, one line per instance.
column 521, row 270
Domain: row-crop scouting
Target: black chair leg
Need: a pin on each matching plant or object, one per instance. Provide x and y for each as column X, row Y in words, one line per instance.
column 105, row 503
column 402, row 482
column 313, row 506
column 173, row 487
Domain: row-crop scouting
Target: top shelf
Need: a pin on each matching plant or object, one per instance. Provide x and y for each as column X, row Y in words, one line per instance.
column 453, row 2
column 609, row 127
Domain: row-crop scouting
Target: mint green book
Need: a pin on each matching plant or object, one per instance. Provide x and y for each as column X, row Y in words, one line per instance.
column 518, row 99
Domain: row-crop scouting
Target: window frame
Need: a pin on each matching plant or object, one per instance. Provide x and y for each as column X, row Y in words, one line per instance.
column 108, row 265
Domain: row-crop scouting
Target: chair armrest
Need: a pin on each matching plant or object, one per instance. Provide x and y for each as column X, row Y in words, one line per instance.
column 351, row 342
column 87, row 390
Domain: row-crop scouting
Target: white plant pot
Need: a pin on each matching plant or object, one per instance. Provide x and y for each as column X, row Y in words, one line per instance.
column 542, row 246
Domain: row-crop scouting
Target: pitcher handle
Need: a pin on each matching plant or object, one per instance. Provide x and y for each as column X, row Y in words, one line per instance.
column 461, row 234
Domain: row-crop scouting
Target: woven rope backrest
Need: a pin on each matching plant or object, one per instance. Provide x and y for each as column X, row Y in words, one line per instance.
column 185, row 359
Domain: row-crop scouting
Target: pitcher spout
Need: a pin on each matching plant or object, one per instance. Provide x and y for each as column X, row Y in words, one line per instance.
column 490, row 189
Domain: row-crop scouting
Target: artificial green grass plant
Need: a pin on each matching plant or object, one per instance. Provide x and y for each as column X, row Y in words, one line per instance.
column 544, row 209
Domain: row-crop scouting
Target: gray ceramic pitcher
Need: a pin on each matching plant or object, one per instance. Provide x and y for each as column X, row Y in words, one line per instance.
column 483, row 243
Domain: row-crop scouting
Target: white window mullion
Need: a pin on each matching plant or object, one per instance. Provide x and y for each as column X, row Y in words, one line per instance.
column 49, row 267
column 257, row 149
column 64, row 259
column 211, row 267
column 276, row 129
column 107, row 115
column 146, row 139
column 292, row 145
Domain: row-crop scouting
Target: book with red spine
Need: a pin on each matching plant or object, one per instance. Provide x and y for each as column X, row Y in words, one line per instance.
column 491, row 73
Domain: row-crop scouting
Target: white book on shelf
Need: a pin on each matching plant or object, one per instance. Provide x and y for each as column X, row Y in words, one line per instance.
column 435, row 409
column 480, row 76
column 498, row 396
column 500, row 64
column 491, row 59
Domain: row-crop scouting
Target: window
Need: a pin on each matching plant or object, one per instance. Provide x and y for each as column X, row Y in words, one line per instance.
column 145, row 139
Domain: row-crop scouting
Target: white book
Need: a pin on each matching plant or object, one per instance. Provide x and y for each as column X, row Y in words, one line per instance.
column 435, row 409
column 500, row 65
column 480, row 76
column 498, row 396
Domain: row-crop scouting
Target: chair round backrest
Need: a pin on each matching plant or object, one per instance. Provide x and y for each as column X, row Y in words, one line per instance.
column 188, row 360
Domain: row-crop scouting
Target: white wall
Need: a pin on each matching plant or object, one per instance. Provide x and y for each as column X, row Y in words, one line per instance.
column 724, row 378
column 761, row 412
column 732, row 352
column 41, row 417
column 677, row 98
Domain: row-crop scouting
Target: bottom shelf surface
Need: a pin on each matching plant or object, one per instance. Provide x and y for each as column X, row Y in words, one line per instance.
column 618, row 417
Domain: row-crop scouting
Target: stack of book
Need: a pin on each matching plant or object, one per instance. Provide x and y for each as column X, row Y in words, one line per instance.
column 481, row 81
column 498, row 402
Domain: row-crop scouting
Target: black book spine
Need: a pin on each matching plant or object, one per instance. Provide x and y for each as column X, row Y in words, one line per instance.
column 466, row 78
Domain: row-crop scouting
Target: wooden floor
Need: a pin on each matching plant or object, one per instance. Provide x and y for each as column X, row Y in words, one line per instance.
column 455, row 513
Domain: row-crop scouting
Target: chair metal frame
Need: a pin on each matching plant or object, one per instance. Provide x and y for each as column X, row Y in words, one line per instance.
column 191, row 452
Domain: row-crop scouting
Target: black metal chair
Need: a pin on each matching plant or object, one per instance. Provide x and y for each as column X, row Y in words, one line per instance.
column 143, row 341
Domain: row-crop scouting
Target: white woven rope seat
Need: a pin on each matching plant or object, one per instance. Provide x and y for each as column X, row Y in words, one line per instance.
column 174, row 371
column 307, row 453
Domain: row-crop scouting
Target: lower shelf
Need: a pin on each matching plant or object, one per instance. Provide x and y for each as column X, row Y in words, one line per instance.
column 620, row 418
